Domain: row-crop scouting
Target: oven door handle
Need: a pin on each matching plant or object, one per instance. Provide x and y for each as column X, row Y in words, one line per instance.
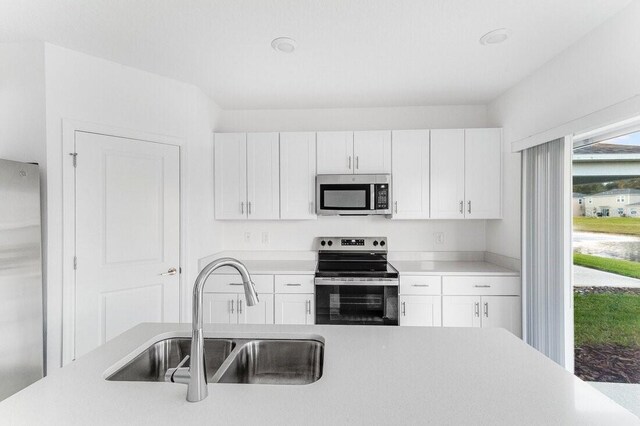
column 381, row 282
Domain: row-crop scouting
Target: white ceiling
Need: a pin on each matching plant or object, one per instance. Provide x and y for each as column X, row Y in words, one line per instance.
column 351, row 53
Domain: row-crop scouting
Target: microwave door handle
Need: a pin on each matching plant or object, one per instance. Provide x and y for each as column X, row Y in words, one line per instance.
column 372, row 206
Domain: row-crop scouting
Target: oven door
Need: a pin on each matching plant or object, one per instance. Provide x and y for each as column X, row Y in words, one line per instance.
column 357, row 304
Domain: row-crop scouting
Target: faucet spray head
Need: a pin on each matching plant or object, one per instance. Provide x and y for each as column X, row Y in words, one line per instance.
column 250, row 293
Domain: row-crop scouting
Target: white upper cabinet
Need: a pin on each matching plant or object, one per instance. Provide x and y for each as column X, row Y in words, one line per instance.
column 230, row 176
column 263, row 176
column 335, row 152
column 483, row 173
column 466, row 174
column 372, row 152
column 297, row 175
column 447, row 174
column 410, row 168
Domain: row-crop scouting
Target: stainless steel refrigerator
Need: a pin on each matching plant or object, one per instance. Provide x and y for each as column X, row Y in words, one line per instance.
column 21, row 287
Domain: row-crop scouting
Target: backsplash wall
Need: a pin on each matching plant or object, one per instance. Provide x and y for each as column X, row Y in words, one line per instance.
column 414, row 235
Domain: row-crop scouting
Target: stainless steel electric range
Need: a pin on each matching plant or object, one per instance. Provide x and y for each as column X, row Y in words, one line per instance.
column 354, row 282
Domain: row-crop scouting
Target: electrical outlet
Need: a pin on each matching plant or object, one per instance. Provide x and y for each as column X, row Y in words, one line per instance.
column 439, row 237
column 265, row 238
column 247, row 237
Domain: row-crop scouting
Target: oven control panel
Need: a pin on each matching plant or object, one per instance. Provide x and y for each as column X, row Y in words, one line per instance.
column 351, row 244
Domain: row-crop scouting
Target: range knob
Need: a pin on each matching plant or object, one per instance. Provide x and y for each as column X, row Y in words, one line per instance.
column 375, row 243
column 382, row 243
column 323, row 243
column 330, row 243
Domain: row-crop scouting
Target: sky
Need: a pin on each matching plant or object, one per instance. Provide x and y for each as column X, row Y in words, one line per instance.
column 630, row 139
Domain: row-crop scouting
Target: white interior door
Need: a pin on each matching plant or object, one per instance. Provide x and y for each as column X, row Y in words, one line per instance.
column 447, row 174
column 410, row 180
column 263, row 176
column 127, row 236
column 483, row 173
column 372, row 152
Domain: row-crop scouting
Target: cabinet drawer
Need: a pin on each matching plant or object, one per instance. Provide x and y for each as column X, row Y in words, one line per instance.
column 294, row 284
column 420, row 284
column 490, row 286
column 233, row 284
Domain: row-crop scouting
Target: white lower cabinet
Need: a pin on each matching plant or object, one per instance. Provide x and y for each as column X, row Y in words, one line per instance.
column 231, row 308
column 482, row 311
column 420, row 310
column 294, row 308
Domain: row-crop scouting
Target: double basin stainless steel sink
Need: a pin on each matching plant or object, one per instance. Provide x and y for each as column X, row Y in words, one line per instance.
column 252, row 361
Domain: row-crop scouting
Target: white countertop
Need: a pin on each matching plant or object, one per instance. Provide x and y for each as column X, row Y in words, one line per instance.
column 372, row 375
column 450, row 268
column 287, row 267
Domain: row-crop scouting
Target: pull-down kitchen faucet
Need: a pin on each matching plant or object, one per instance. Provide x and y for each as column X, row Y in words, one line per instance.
column 195, row 375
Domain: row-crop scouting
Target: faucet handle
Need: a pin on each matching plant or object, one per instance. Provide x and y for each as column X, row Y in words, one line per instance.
column 179, row 374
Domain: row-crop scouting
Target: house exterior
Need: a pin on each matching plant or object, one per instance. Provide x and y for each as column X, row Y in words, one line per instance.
column 577, row 205
column 613, row 203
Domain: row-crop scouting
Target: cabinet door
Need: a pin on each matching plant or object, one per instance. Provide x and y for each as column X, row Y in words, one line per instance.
column 294, row 309
column 230, row 176
column 335, row 152
column 263, row 176
column 372, row 152
column 297, row 175
column 220, row 308
column 502, row 312
column 410, row 168
column 420, row 310
column 483, row 173
column 262, row 313
column 461, row 311
column 447, row 174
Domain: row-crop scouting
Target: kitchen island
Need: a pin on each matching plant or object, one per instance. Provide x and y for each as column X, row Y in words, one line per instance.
column 371, row 375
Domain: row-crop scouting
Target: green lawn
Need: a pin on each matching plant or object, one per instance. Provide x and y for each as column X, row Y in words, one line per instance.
column 616, row 266
column 609, row 225
column 607, row 319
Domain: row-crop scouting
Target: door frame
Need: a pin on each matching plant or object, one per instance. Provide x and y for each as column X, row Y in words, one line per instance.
column 69, row 130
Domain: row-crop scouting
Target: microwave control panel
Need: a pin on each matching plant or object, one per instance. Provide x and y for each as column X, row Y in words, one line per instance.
column 382, row 196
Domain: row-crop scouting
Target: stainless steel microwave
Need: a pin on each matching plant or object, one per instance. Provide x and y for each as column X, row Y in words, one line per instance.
column 353, row 194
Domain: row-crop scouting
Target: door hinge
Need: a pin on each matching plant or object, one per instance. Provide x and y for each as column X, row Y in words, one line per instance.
column 75, row 158
column 75, row 263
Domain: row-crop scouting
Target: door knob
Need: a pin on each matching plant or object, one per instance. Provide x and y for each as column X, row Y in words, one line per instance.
column 171, row 271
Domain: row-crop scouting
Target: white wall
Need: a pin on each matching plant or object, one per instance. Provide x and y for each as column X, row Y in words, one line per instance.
column 89, row 89
column 403, row 235
column 599, row 71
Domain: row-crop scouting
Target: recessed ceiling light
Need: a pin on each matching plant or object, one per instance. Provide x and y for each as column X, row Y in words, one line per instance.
column 495, row 36
column 284, row 44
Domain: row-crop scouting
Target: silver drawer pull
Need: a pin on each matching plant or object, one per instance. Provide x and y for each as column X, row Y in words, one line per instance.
column 420, row 285
column 293, row 284
column 482, row 286
column 236, row 284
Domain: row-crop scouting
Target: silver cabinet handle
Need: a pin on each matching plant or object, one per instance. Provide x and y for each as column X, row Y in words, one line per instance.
column 170, row 271
column 482, row 286
column 395, row 203
column 249, row 207
column 461, row 207
column 404, row 309
column 349, row 162
column 419, row 285
column 236, row 284
column 486, row 309
column 469, row 206
column 357, row 162
column 477, row 306
column 240, row 306
column 231, row 305
column 307, row 306
column 293, row 284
